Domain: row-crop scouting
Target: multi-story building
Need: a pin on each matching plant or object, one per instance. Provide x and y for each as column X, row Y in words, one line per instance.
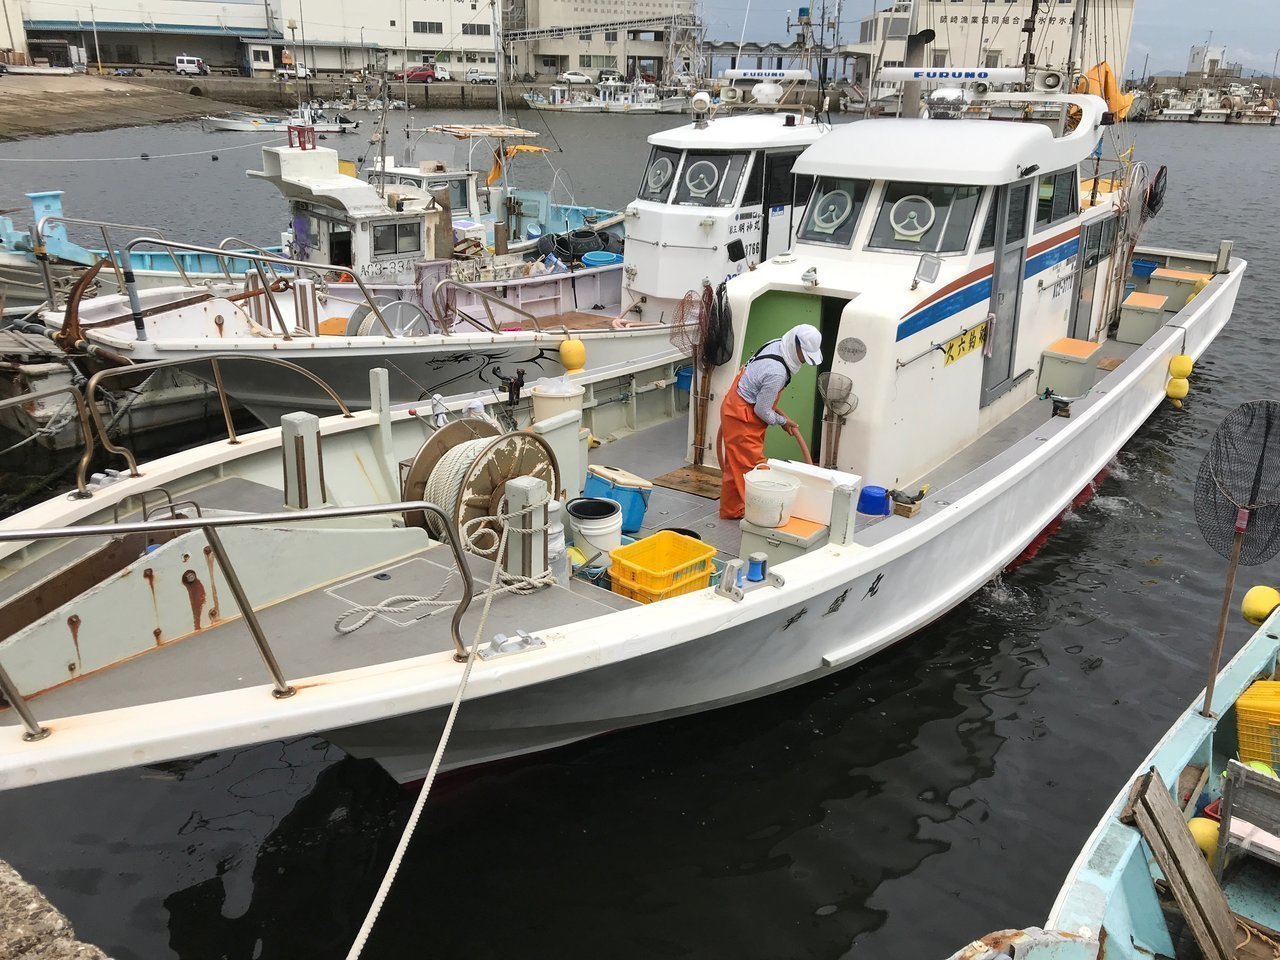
column 13, row 35
column 989, row 33
column 252, row 36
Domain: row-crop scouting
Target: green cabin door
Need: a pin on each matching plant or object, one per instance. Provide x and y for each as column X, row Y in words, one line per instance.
column 772, row 314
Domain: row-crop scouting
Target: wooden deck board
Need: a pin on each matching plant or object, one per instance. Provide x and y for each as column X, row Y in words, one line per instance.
column 699, row 481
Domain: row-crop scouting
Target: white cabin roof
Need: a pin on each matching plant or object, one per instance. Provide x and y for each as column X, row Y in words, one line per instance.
column 312, row 174
column 976, row 152
column 752, row 132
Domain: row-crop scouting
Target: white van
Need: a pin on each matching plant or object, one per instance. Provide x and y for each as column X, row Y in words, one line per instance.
column 192, row 66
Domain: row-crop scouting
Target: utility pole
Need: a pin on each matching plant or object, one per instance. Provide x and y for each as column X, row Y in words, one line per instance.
column 97, row 50
column 306, row 59
column 1274, row 65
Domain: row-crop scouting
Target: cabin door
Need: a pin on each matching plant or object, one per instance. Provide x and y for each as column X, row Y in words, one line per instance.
column 1006, row 288
column 1087, row 281
column 778, row 192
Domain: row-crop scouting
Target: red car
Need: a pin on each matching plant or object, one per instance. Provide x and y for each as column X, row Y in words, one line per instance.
column 423, row 74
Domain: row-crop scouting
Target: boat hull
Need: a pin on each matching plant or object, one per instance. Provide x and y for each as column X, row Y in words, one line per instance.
column 845, row 610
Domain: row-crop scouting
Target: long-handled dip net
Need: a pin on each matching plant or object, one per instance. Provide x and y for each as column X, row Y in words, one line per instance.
column 1238, row 501
column 838, row 402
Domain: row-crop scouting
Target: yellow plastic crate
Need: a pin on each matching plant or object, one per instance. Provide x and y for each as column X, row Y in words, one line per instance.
column 642, row 595
column 1258, row 722
column 660, row 563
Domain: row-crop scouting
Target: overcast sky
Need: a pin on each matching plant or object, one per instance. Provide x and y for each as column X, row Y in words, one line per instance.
column 1166, row 29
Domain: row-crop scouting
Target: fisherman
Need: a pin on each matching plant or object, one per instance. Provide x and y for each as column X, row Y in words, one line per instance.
column 751, row 405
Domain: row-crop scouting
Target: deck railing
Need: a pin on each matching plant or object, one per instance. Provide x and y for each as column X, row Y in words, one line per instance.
column 215, row 361
column 442, row 306
column 209, row 526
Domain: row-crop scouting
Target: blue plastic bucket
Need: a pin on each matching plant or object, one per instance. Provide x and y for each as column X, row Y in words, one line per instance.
column 634, row 501
column 874, row 502
column 684, row 379
column 600, row 258
column 1144, row 268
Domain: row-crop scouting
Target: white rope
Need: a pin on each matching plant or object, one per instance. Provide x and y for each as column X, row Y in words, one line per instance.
column 444, row 486
column 366, row 928
column 397, row 858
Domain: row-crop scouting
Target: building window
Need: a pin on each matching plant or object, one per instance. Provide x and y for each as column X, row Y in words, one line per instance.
column 993, row 58
column 427, row 26
column 584, row 60
column 261, row 56
column 393, row 23
column 611, row 36
column 475, row 29
column 584, row 36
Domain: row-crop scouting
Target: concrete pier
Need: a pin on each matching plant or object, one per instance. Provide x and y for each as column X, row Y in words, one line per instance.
column 33, row 106
column 30, row 926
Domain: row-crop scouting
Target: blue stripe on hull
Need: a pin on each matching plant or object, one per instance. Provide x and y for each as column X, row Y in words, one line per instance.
column 980, row 290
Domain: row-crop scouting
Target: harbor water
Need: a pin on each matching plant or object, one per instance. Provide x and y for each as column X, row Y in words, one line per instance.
column 897, row 809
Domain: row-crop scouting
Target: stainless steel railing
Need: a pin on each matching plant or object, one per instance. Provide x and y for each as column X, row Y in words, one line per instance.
column 209, row 526
column 215, row 360
column 104, row 226
column 259, row 260
column 82, row 414
column 442, row 306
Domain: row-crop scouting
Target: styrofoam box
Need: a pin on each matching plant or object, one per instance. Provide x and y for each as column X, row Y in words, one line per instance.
column 817, row 488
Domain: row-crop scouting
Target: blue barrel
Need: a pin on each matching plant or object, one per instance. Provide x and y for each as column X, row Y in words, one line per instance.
column 874, row 502
column 684, row 379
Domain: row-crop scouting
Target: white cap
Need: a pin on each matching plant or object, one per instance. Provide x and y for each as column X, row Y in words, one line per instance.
column 808, row 343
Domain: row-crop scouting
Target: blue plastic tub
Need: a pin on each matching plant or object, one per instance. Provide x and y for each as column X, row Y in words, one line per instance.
column 633, row 500
column 874, row 502
column 1144, row 268
column 600, row 258
column 684, row 379
column 1129, row 288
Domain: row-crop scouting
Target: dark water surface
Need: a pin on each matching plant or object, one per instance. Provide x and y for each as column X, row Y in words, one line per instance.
column 895, row 810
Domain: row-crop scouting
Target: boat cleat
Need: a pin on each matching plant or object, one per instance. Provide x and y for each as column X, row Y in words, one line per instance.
column 501, row 645
column 734, row 583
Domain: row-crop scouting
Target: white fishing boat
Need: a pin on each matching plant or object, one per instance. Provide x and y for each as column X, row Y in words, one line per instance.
column 611, row 96
column 970, row 295
column 315, row 119
column 388, row 276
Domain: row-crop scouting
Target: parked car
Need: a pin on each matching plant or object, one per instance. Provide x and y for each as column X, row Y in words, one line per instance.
column 573, row 76
column 298, row 71
column 609, row 76
column 425, row 73
column 191, row 66
column 475, row 76
column 442, row 73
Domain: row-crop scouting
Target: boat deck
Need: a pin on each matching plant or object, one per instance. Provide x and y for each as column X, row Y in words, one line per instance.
column 301, row 632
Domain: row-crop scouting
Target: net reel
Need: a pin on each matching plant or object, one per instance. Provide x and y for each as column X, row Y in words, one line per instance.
column 464, row 468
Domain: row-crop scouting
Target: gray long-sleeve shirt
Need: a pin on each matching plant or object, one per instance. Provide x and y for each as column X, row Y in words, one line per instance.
column 763, row 380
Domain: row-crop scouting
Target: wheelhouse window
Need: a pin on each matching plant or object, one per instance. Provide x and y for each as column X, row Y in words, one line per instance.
column 709, row 179
column 457, row 187
column 925, row 217
column 659, row 175
column 1058, row 198
column 390, row 239
column 834, row 208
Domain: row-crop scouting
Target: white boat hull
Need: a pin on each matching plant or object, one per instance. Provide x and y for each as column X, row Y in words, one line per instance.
column 834, row 611
column 269, row 125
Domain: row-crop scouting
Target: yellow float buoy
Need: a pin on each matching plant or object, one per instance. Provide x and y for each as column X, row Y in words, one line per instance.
column 1178, row 388
column 1259, row 603
column 573, row 355
column 1205, row 832
column 1180, row 366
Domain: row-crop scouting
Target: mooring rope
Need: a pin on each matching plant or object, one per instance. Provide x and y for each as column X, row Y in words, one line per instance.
column 375, row 908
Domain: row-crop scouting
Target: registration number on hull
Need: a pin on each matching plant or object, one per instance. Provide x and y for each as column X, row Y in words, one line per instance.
column 965, row 344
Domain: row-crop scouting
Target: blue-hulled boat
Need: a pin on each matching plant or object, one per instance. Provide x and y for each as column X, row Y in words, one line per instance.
column 1118, row 902
column 22, row 282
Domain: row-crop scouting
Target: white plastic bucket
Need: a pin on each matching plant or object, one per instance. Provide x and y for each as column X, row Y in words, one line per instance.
column 597, row 527
column 552, row 397
column 769, row 495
